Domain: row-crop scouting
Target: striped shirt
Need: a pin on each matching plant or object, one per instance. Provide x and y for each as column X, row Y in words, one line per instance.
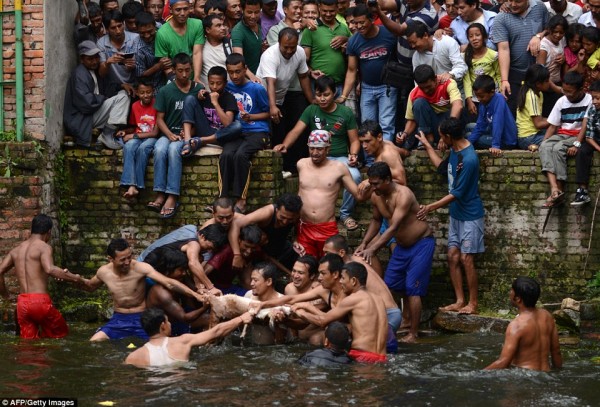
column 518, row 30
column 569, row 116
column 427, row 15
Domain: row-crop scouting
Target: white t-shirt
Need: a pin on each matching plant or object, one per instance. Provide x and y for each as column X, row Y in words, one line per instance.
column 212, row 55
column 553, row 51
column 569, row 116
column 274, row 65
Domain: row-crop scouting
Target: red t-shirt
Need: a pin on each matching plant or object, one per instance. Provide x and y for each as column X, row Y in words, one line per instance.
column 143, row 117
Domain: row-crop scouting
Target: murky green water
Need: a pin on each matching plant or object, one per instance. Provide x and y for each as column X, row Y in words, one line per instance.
column 440, row 371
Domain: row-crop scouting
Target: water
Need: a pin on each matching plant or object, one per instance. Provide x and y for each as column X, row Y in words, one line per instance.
column 442, row 370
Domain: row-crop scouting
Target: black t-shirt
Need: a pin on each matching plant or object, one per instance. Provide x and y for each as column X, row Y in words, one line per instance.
column 325, row 358
column 228, row 104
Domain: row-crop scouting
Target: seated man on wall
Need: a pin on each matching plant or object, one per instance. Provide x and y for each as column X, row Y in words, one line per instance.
column 86, row 107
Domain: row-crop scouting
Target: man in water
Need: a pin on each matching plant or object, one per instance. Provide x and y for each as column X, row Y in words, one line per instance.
column 365, row 312
column 531, row 338
column 126, row 282
column 337, row 341
column 161, row 350
column 32, row 260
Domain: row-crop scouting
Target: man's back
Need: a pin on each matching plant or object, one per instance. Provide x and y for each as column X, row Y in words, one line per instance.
column 536, row 330
column 369, row 323
column 27, row 258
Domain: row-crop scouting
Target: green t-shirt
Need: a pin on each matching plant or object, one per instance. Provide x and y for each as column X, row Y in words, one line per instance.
column 337, row 123
column 170, row 101
column 322, row 57
column 243, row 37
column 168, row 43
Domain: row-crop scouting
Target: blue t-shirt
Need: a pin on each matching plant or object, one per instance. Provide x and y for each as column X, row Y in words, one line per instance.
column 252, row 98
column 372, row 54
column 496, row 119
column 463, row 183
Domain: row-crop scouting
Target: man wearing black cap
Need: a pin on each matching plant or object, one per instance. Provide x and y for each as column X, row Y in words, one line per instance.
column 85, row 105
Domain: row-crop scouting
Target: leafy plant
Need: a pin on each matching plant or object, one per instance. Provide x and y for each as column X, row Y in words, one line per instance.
column 594, row 286
column 8, row 135
column 7, row 162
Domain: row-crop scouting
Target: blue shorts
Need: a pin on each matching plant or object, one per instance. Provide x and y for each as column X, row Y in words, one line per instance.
column 410, row 267
column 384, row 226
column 123, row 325
column 394, row 316
column 467, row 235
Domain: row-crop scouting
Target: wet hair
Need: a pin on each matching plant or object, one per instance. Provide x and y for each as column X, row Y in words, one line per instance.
column 116, row 245
column 207, row 21
column 452, row 127
column 335, row 263
column 370, row 126
column 557, row 21
column 222, row 202
column 217, row 70
column 594, row 87
column 416, row 27
column 251, row 234
column 362, row 10
column 379, row 170
column 328, row 2
column 214, row 233
column 41, row 224
column 591, row 34
column 291, row 202
column 574, row 79
column 338, row 335
column 111, row 15
column 131, row 9
column 356, row 270
column 311, row 262
column 234, row 59
column 245, row 3
column 339, row 242
column 220, row 5
column 288, row 33
column 573, row 30
column 144, row 18
column 485, row 83
column 323, row 83
column 151, row 320
column 527, row 289
column 182, row 59
column 169, row 260
column 267, row 270
column 469, row 51
column 535, row 74
column 423, row 73
column 94, row 10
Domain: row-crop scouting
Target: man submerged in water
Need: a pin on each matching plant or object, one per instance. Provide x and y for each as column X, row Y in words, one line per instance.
column 531, row 338
column 161, row 350
column 337, row 341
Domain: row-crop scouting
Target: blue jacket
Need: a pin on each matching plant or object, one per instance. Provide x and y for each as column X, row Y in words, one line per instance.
column 495, row 119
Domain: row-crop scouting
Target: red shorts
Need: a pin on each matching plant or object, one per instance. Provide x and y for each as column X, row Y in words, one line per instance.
column 364, row 356
column 312, row 236
column 38, row 318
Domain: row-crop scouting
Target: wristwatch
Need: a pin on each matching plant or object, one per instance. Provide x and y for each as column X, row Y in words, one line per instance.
column 136, row 136
column 577, row 143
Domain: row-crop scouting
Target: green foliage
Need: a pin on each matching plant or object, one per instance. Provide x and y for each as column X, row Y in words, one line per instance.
column 8, row 135
column 7, row 162
column 594, row 286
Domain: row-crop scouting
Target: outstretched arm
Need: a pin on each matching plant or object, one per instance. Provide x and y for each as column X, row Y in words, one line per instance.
column 54, row 271
column 219, row 331
column 6, row 265
column 169, row 283
column 323, row 319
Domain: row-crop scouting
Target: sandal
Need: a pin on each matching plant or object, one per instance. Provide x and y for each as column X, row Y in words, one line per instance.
column 191, row 146
column 556, row 198
column 167, row 213
column 350, row 223
column 155, row 206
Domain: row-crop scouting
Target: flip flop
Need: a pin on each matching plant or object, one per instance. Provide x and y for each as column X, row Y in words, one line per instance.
column 555, row 199
column 191, row 146
column 171, row 212
column 154, row 206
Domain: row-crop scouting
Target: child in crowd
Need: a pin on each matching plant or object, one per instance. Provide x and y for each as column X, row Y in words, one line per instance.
column 480, row 60
column 563, row 135
column 531, row 124
column 139, row 140
column 211, row 115
column 590, row 40
column 588, row 145
column 573, row 37
column 552, row 56
column 495, row 128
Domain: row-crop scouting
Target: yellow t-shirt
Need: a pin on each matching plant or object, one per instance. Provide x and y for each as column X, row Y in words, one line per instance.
column 486, row 65
column 533, row 107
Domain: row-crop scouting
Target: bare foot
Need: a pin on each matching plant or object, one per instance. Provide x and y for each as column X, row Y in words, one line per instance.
column 131, row 193
column 452, row 307
column 410, row 338
column 469, row 309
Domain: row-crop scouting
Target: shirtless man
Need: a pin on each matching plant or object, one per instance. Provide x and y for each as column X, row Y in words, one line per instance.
column 32, row 261
column 531, row 338
column 371, row 140
column 276, row 221
column 375, row 285
column 193, row 243
column 161, row 350
column 320, row 181
column 126, row 282
column 410, row 265
column 364, row 310
column 223, row 213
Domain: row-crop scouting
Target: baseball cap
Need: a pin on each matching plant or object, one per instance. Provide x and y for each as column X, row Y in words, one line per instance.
column 319, row 138
column 88, row 48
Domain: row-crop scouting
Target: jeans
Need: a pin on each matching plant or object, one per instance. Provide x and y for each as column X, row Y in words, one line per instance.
column 525, row 142
column 135, row 159
column 379, row 103
column 167, row 165
column 484, row 141
column 194, row 113
column 348, row 201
